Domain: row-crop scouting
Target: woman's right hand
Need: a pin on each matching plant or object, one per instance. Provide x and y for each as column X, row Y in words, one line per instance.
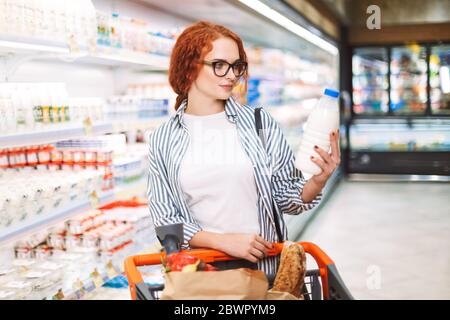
column 251, row 247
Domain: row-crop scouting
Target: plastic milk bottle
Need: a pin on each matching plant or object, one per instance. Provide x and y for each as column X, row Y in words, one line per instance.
column 321, row 122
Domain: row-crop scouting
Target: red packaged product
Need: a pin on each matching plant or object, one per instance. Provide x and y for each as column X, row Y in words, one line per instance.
column 184, row 262
column 32, row 156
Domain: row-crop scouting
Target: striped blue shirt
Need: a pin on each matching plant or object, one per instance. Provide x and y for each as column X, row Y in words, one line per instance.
column 274, row 171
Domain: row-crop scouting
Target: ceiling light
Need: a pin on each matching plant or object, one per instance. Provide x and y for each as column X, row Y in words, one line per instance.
column 278, row 18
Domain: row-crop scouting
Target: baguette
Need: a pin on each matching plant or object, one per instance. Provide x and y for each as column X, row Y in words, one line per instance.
column 291, row 272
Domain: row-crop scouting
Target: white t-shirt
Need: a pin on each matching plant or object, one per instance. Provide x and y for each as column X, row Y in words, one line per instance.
column 217, row 178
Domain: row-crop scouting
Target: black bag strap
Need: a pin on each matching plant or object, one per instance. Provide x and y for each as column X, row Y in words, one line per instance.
column 260, row 132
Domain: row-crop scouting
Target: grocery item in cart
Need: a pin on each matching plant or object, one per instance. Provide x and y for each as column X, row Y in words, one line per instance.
column 237, row 284
column 291, row 272
column 185, row 263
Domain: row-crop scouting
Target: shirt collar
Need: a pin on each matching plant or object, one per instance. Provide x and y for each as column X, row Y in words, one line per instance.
column 231, row 106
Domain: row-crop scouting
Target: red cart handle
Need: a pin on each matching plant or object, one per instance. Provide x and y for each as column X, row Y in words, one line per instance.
column 209, row 256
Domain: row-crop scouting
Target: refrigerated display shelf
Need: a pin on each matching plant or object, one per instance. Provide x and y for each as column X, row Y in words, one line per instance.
column 127, row 124
column 408, row 73
column 26, row 45
column 52, row 134
column 374, row 63
column 399, row 162
column 399, row 147
column 60, row 132
column 397, row 177
column 369, row 88
column 59, row 214
column 370, row 75
column 47, row 49
column 127, row 58
column 371, row 103
column 409, row 88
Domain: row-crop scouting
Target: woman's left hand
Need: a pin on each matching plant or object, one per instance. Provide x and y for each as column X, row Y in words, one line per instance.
column 328, row 162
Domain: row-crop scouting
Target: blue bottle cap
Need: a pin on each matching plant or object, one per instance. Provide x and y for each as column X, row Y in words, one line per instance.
column 331, row 93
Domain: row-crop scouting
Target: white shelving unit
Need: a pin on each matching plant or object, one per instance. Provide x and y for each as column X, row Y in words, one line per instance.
column 126, row 58
column 14, row 50
column 52, row 134
column 58, row 132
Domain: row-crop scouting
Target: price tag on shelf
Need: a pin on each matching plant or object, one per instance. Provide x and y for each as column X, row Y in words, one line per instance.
column 110, row 270
column 73, row 45
column 59, row 295
column 78, row 284
column 78, row 288
column 97, row 278
column 94, row 199
column 87, row 124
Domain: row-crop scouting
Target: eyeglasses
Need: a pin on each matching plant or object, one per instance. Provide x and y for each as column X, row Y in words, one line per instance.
column 222, row 67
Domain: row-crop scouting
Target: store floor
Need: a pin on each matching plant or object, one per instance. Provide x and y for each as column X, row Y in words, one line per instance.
column 388, row 240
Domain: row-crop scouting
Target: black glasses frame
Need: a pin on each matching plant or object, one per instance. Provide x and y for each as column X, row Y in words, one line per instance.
column 230, row 65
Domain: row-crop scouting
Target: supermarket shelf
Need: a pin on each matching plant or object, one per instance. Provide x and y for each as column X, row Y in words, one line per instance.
column 57, row 215
column 56, row 133
column 369, row 88
column 60, row 132
column 370, row 75
column 10, row 45
column 435, row 163
column 47, row 49
column 397, row 177
column 125, row 124
column 128, row 58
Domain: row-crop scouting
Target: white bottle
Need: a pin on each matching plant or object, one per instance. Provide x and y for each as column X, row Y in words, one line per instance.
column 60, row 21
column 70, row 23
column 28, row 105
column 21, row 111
column 29, row 18
column 116, row 31
column 91, row 26
column 323, row 120
column 3, row 13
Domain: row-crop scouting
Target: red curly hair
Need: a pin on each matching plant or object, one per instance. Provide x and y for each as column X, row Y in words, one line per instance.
column 190, row 48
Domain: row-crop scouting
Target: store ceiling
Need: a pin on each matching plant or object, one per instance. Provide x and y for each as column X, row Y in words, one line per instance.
column 251, row 26
column 393, row 12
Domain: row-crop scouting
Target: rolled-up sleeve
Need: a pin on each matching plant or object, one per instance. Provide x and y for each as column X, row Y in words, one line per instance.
column 163, row 210
column 287, row 180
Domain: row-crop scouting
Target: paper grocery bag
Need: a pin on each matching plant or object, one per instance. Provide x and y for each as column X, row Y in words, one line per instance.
column 236, row 284
column 280, row 295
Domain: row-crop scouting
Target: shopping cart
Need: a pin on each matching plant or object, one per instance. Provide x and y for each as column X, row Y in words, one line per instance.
column 322, row 283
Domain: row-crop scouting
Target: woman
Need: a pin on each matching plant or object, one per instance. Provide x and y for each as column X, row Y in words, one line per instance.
column 208, row 167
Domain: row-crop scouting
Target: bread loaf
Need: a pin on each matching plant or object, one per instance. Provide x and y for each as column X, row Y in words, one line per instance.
column 291, row 272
